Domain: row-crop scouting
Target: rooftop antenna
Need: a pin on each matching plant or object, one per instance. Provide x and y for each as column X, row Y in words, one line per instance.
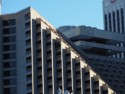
column 0, row 6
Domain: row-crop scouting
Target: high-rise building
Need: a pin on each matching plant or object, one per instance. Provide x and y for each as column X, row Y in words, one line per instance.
column 114, row 19
column 99, row 46
column 114, row 15
column 37, row 59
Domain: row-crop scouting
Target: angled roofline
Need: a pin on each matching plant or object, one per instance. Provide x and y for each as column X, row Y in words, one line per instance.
column 79, row 52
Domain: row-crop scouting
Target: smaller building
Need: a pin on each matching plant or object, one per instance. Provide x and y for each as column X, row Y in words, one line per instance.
column 101, row 51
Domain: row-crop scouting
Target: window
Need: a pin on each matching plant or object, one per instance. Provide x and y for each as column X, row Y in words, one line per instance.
column 9, row 39
column 9, row 56
column 29, row 86
column 118, row 21
column 9, row 73
column 11, row 64
column 12, row 90
column 28, row 42
column 114, row 22
column 9, row 47
column 122, row 20
column 28, row 33
column 10, row 81
column 110, row 23
column 27, row 25
column 106, row 27
column 9, row 22
column 27, row 16
column 9, row 30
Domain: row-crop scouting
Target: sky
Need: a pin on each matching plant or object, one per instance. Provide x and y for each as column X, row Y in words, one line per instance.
column 61, row 12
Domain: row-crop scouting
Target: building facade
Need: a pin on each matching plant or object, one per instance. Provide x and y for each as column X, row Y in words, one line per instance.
column 99, row 47
column 114, row 19
column 36, row 59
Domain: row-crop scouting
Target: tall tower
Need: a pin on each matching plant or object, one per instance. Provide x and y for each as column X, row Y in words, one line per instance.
column 114, row 15
column 114, row 18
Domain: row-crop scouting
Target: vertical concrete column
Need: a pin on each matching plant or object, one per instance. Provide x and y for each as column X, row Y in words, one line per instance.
column 63, row 69
column 33, row 50
column 120, row 20
column 107, row 20
column 73, row 75
column 116, row 21
column 100, row 90
column 82, row 80
column 54, row 77
column 100, row 87
column 44, row 71
column 91, row 85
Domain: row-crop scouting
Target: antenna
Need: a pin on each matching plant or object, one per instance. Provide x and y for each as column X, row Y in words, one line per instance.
column 0, row 6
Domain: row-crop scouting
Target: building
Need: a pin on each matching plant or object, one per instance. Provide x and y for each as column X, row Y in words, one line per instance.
column 99, row 47
column 37, row 59
column 114, row 18
column 114, row 15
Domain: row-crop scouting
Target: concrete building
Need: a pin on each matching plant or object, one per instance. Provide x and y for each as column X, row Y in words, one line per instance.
column 114, row 15
column 99, row 47
column 37, row 59
column 114, row 18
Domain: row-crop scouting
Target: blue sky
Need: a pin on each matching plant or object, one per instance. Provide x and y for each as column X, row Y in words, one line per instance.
column 62, row 12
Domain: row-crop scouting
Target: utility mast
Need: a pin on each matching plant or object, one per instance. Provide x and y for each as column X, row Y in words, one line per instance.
column 0, row 6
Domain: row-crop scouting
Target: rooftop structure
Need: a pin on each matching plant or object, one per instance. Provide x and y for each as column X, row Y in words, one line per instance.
column 100, row 47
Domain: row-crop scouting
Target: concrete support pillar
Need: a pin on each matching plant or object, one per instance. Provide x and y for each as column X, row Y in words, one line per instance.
column 33, row 53
column 91, row 85
column 73, row 75
column 100, row 90
column 63, row 70
column 54, row 77
column 82, row 80
column 44, row 70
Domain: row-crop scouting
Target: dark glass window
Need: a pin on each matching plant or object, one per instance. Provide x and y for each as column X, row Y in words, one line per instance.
column 9, row 22
column 27, row 16
column 27, row 25
column 29, row 86
column 114, row 22
column 9, row 56
column 9, row 47
column 9, row 30
column 9, row 73
column 106, row 27
column 6, row 90
column 9, row 39
column 28, row 33
column 10, row 81
column 118, row 21
column 110, row 22
column 12, row 90
column 122, row 20
column 11, row 64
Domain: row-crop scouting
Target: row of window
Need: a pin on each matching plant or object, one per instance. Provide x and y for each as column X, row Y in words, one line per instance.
column 10, row 81
column 9, row 73
column 9, row 56
column 110, row 20
column 9, row 39
column 9, row 22
column 11, row 30
column 11, row 64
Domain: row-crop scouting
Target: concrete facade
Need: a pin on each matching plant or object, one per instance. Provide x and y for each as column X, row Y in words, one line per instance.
column 100, row 47
column 37, row 59
column 114, row 18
